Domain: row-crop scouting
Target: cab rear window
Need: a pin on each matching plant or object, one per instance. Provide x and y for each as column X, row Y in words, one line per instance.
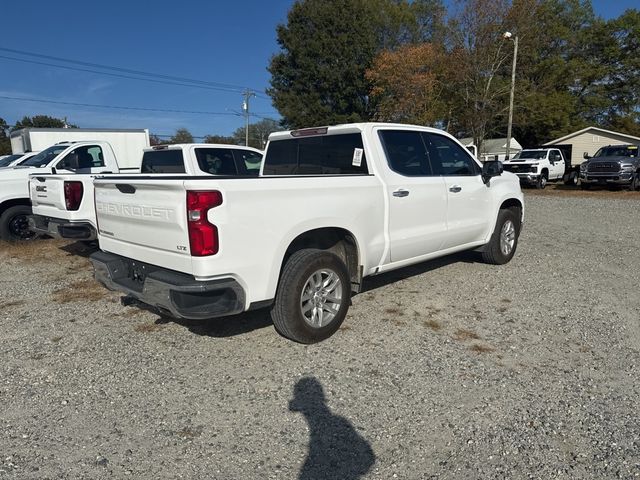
column 163, row 161
column 318, row 155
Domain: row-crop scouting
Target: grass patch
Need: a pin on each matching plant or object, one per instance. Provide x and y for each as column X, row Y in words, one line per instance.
column 463, row 334
column 34, row 251
column 433, row 324
column 12, row 303
column 148, row 327
column 477, row 348
column 80, row 291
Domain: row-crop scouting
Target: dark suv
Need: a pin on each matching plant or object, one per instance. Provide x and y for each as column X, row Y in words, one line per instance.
column 612, row 165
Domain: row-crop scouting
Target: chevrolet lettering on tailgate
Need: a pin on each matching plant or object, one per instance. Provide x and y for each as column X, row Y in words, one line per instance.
column 134, row 211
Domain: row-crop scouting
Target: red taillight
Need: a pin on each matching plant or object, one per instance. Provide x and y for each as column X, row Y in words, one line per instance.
column 203, row 236
column 73, row 195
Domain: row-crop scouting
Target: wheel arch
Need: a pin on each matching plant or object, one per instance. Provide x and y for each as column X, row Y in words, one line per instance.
column 336, row 240
column 512, row 203
column 14, row 202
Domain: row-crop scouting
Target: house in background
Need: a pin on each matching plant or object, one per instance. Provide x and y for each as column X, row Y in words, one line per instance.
column 494, row 148
column 589, row 140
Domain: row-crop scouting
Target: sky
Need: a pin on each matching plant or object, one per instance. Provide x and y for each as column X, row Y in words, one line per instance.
column 227, row 44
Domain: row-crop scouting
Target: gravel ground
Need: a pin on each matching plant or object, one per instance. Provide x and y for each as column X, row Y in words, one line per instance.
column 450, row 369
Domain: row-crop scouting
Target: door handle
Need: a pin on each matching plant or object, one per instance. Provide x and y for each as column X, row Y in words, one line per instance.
column 401, row 193
column 455, row 189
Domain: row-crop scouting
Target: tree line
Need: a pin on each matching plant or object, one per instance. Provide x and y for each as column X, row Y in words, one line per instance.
column 419, row 62
column 258, row 132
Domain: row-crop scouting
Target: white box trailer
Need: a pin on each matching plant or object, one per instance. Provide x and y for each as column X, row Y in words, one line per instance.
column 127, row 144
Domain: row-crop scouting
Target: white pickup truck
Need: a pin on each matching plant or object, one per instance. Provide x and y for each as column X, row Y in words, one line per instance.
column 539, row 166
column 332, row 205
column 63, row 205
column 67, row 157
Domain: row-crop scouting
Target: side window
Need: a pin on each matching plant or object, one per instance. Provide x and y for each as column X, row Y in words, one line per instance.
column 216, row 161
column 448, row 158
column 83, row 158
column 406, row 152
column 250, row 159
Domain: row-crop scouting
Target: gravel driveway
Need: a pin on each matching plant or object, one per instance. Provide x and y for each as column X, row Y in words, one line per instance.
column 450, row 369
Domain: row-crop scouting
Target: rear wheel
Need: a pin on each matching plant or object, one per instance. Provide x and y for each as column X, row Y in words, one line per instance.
column 571, row 178
column 14, row 224
column 313, row 296
column 504, row 241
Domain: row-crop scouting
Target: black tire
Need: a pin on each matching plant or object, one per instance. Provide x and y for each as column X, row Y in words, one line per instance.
column 571, row 178
column 287, row 311
column 14, row 225
column 634, row 186
column 542, row 181
column 493, row 252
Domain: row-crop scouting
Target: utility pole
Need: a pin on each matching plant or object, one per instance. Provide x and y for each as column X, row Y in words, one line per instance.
column 247, row 94
column 507, row 36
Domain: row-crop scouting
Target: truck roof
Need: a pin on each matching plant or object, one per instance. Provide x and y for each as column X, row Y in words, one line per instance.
column 204, row 145
column 343, row 128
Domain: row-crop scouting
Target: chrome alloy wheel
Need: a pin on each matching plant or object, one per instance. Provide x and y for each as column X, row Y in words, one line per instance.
column 321, row 298
column 507, row 237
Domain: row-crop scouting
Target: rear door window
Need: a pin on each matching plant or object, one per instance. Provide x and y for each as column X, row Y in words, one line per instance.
column 248, row 161
column 163, row 161
column 321, row 155
column 406, row 152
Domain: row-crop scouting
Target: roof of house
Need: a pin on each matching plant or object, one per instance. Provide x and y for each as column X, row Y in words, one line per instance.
column 595, row 129
column 493, row 145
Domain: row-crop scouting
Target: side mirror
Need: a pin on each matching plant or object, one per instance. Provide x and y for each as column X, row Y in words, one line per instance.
column 586, row 155
column 491, row 169
column 53, row 170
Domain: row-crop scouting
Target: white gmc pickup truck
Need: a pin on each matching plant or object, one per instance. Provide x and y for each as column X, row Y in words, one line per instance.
column 332, row 205
column 67, row 157
column 63, row 205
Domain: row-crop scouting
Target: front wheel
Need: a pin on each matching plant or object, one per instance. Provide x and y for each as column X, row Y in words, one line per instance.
column 14, row 224
column 542, row 181
column 504, row 240
column 313, row 296
column 635, row 183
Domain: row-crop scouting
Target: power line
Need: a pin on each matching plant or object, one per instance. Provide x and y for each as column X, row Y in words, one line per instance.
column 170, row 79
column 77, row 69
column 36, row 100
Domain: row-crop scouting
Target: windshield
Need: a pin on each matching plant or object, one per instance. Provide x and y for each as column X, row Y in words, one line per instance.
column 4, row 162
column 621, row 151
column 44, row 157
column 533, row 154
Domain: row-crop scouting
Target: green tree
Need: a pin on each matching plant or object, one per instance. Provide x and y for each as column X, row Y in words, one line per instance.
column 41, row 121
column 220, row 139
column 258, row 133
column 318, row 78
column 182, row 135
column 5, row 142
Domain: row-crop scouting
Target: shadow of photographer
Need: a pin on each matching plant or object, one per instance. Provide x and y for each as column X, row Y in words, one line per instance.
column 336, row 449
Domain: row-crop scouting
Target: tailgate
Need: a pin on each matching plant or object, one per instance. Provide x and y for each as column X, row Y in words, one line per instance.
column 144, row 219
column 47, row 194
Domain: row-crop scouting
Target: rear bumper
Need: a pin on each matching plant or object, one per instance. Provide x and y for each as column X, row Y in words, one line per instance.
column 60, row 228
column 178, row 293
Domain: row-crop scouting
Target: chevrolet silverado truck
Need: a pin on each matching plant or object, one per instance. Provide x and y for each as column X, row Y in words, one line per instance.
column 613, row 165
column 538, row 166
column 66, row 157
column 63, row 205
column 331, row 206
